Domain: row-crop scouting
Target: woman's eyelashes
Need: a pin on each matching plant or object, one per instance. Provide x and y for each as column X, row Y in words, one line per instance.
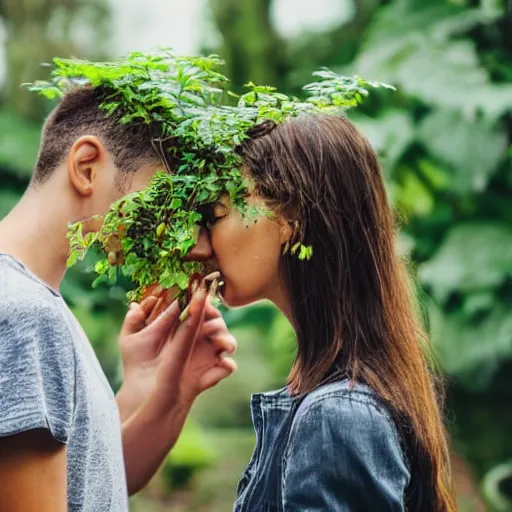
column 212, row 213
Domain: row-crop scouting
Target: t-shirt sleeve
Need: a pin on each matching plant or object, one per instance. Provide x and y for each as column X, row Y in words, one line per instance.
column 37, row 368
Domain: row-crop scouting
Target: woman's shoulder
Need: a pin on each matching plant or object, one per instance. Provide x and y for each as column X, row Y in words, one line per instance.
column 344, row 391
column 343, row 449
column 344, row 402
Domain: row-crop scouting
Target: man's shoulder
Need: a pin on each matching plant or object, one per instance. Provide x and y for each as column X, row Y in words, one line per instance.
column 28, row 309
column 22, row 294
column 33, row 326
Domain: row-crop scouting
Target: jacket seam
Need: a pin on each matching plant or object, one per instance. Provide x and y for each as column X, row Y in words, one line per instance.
column 351, row 396
column 246, row 499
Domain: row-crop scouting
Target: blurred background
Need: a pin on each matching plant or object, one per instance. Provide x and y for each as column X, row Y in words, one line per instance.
column 445, row 144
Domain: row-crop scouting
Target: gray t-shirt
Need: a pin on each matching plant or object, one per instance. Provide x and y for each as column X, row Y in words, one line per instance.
column 50, row 378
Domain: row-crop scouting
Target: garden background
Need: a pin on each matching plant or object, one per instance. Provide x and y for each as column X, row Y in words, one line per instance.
column 445, row 142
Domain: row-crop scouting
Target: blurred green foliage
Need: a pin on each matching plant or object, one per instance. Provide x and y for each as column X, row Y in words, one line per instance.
column 191, row 454
column 227, row 405
column 497, row 486
column 445, row 144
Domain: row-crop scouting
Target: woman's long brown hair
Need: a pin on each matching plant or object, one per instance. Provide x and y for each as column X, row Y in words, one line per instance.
column 352, row 304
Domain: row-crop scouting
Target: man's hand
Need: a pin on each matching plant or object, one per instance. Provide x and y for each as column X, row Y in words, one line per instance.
column 167, row 363
column 155, row 347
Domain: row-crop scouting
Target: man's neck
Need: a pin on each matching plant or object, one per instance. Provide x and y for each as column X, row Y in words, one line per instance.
column 34, row 232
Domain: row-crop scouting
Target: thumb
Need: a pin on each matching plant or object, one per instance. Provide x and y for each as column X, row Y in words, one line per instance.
column 135, row 319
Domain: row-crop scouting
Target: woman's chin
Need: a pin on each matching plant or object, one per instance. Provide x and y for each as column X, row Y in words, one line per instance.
column 232, row 299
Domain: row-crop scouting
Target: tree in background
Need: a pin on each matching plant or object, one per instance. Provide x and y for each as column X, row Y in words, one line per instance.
column 445, row 142
column 37, row 31
column 251, row 47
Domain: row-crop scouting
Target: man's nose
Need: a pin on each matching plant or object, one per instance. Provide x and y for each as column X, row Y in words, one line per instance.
column 202, row 251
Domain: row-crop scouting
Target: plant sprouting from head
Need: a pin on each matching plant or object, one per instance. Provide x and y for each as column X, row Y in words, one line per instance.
column 196, row 130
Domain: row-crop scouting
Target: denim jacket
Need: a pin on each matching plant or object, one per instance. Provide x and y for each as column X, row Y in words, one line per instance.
column 336, row 449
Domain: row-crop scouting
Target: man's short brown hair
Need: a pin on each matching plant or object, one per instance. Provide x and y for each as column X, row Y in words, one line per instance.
column 78, row 114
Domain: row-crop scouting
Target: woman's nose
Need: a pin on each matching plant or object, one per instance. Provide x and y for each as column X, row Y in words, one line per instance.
column 202, row 250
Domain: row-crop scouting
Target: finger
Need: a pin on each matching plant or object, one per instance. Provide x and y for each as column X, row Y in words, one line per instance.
column 225, row 368
column 224, row 343
column 229, row 363
column 165, row 322
column 182, row 341
column 165, row 297
column 170, row 294
column 212, row 312
column 213, row 327
column 148, row 304
column 136, row 317
column 157, row 309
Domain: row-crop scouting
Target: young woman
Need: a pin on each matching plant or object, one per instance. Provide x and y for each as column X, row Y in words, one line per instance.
column 358, row 427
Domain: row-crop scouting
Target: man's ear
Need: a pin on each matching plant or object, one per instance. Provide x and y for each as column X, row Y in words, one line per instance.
column 84, row 159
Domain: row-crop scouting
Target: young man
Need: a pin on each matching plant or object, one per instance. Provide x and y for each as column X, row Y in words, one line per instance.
column 65, row 444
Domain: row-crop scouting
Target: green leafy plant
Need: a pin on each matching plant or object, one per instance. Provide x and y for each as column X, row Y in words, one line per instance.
column 183, row 100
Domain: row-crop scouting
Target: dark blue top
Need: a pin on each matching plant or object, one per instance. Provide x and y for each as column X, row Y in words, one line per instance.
column 336, row 449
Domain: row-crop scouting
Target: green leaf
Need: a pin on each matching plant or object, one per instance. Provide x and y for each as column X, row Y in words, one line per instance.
column 73, row 258
column 99, row 281
column 101, row 266
column 472, row 349
column 306, row 252
column 390, row 134
column 473, row 147
column 160, row 229
column 474, row 256
column 413, row 45
column 295, row 247
column 182, row 280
